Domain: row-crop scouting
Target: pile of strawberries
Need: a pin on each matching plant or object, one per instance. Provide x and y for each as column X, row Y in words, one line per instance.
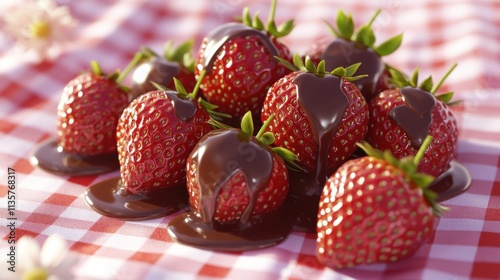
column 326, row 112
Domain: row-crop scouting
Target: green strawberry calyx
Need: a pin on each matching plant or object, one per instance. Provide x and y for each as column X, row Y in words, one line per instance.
column 319, row 70
column 409, row 166
column 400, row 80
column 182, row 92
column 115, row 76
column 364, row 36
column 271, row 28
column 265, row 137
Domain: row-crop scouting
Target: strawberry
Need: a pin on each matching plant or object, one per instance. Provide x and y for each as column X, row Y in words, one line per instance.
column 234, row 177
column 240, row 64
column 320, row 116
column 88, row 112
column 350, row 47
column 375, row 209
column 401, row 118
column 156, row 133
column 153, row 68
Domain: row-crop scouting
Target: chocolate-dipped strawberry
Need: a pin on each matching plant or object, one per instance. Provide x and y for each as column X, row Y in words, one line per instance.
column 401, row 118
column 87, row 115
column 320, row 116
column 155, row 135
column 352, row 47
column 240, row 64
column 237, row 187
column 153, row 68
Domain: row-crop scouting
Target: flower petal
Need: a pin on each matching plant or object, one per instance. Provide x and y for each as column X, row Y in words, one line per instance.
column 28, row 252
column 53, row 252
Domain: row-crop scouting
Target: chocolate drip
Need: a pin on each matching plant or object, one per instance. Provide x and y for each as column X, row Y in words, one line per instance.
column 415, row 116
column 50, row 157
column 324, row 103
column 184, row 108
column 343, row 53
column 222, row 155
column 217, row 158
column 219, row 36
column 156, row 70
column 110, row 199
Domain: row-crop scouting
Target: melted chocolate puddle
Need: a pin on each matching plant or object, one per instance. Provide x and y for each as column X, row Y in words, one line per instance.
column 110, row 199
column 344, row 53
column 324, row 103
column 50, row 157
column 217, row 159
column 219, row 36
column 415, row 116
column 156, row 70
column 454, row 181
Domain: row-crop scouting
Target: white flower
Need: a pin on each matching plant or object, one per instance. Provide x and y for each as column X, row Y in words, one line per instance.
column 40, row 26
column 51, row 262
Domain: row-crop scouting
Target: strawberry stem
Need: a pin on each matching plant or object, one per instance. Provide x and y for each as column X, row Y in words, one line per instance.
column 196, row 88
column 438, row 85
column 272, row 12
column 374, row 17
column 264, row 127
column 420, row 154
column 138, row 58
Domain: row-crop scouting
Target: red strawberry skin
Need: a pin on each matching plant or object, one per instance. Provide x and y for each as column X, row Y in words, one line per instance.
column 233, row 197
column 153, row 143
column 293, row 131
column 370, row 212
column 88, row 113
column 241, row 74
column 385, row 134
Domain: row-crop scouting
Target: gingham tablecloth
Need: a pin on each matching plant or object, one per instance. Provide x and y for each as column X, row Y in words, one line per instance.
column 466, row 240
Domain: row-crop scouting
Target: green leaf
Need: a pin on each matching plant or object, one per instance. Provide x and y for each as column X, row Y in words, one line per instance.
column 339, row 72
column 438, row 85
column 267, row 138
column 96, row 68
column 398, row 78
column 446, row 97
column 345, row 25
column 310, row 66
column 286, row 63
column 177, row 54
column 350, row 70
column 246, row 18
column 422, row 180
column 366, row 36
column 247, row 124
column 297, row 61
column 286, row 28
column 257, row 23
column 180, row 88
column 389, row 46
column 426, row 84
column 285, row 154
column 332, row 29
column 414, row 78
column 321, row 67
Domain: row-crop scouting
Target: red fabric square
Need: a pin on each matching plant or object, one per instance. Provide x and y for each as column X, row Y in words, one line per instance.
column 41, row 218
column 85, row 248
column 161, row 234
column 151, row 258
column 486, row 270
column 60, row 199
column 489, row 239
column 105, row 224
column 214, row 271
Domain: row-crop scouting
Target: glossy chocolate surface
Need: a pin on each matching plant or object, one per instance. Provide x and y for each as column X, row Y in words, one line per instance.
column 50, row 157
column 324, row 103
column 454, row 181
column 415, row 116
column 217, row 158
column 226, row 32
column 343, row 53
column 184, row 108
column 110, row 199
column 156, row 70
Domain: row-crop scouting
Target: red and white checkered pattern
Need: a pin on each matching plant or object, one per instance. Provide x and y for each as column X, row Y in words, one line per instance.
column 466, row 241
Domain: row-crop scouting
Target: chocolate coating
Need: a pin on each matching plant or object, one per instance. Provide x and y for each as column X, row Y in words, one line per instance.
column 50, row 157
column 216, row 159
column 343, row 53
column 454, row 181
column 184, row 108
column 110, row 199
column 222, row 34
column 156, row 70
column 415, row 116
